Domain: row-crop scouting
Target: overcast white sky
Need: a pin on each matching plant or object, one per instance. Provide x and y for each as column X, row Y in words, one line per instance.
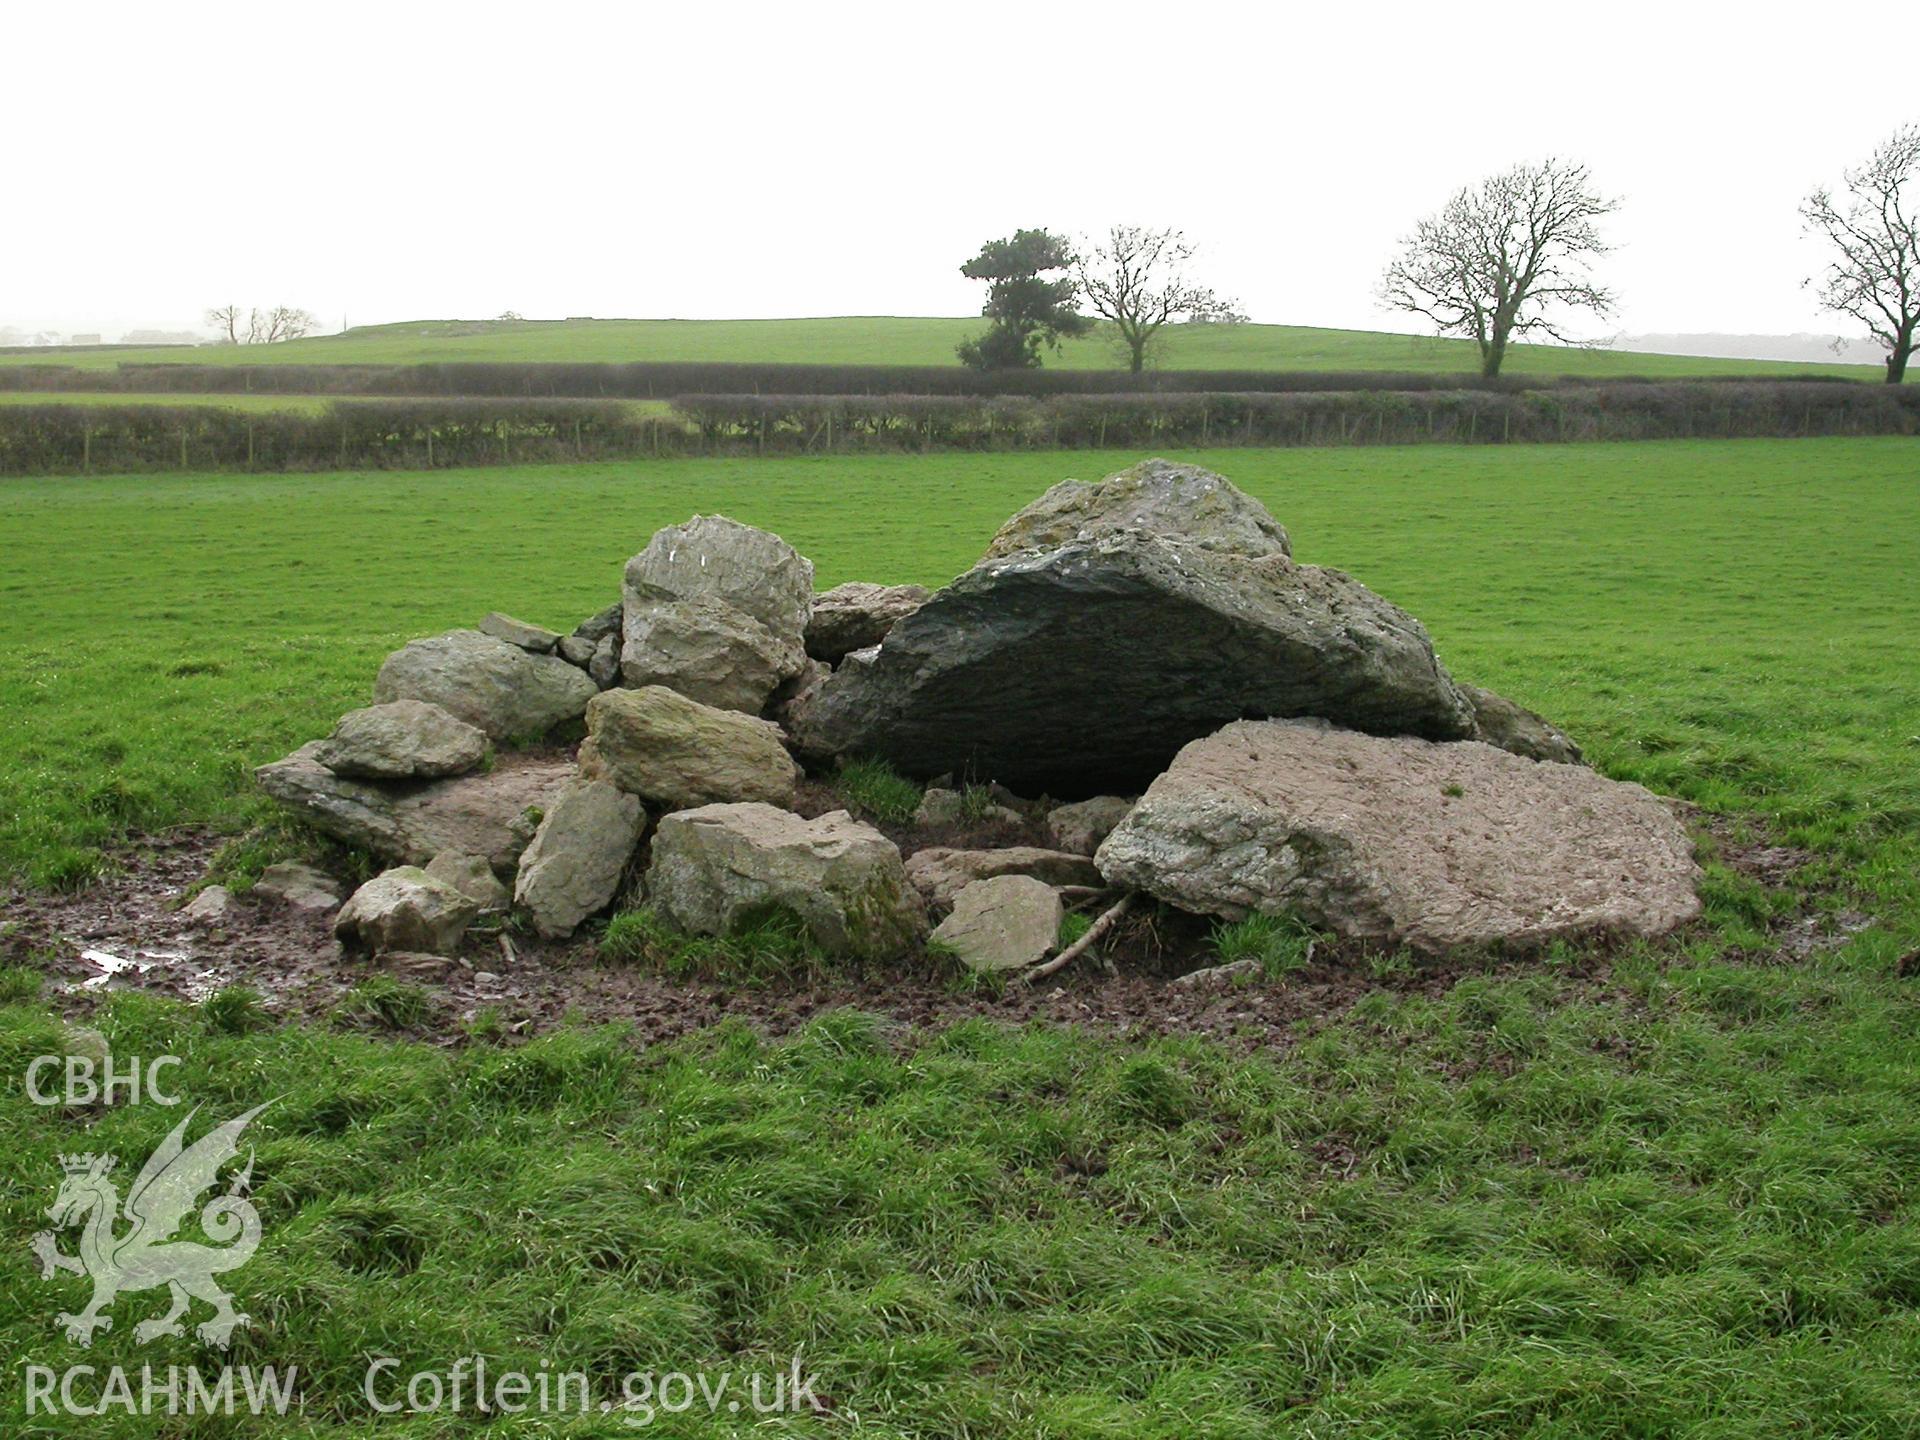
column 400, row 161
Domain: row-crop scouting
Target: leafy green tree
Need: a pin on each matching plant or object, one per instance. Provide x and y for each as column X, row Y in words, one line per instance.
column 1024, row 309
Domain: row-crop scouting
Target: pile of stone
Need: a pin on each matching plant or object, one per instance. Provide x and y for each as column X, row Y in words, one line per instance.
column 1232, row 732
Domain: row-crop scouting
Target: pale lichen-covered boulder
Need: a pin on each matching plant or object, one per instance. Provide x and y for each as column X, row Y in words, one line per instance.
column 574, row 865
column 402, row 740
column 719, row 868
column 1007, row 923
column 676, row 752
column 1082, row 825
column 941, row 872
column 857, row 615
column 488, row 813
column 472, row 876
column 1109, row 625
column 715, row 610
column 507, row 692
column 1403, row 841
column 405, row 909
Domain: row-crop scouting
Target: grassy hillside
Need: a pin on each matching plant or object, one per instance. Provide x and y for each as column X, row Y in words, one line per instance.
column 903, row 340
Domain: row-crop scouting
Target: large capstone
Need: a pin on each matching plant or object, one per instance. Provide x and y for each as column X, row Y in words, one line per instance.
column 720, row 868
column 715, row 610
column 1109, row 625
column 507, row 692
column 1403, row 841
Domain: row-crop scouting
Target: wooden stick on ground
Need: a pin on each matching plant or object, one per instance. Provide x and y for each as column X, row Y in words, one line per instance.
column 1085, row 943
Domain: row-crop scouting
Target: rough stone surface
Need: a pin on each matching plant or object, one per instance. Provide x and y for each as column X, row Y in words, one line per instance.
column 301, row 886
column 721, row 866
column 604, row 668
column 574, row 865
column 716, row 610
column 1007, row 923
column 486, row 814
column 402, row 740
column 600, row 625
column 507, row 692
column 575, row 650
column 1081, row 826
column 856, row 615
column 1111, row 624
column 1512, row 727
column 405, row 909
column 941, row 873
column 536, row 638
column 1403, row 841
column 212, row 906
column 676, row 752
column 472, row 876
column 709, row 652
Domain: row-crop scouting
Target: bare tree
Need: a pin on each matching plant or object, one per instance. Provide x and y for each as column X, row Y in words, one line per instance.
column 1506, row 258
column 262, row 327
column 1875, row 230
column 226, row 318
column 1137, row 281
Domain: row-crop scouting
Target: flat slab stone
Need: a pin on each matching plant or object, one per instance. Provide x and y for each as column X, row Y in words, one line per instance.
column 402, row 740
column 1405, row 841
column 1007, row 923
column 536, row 638
column 941, row 872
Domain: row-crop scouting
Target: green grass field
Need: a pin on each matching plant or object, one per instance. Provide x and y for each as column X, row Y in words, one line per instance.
column 904, row 340
column 1680, row 1202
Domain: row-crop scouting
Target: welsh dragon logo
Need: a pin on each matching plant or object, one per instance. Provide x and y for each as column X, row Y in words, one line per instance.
column 146, row 1256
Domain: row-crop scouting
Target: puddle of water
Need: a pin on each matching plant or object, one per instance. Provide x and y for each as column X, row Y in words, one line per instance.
column 112, row 965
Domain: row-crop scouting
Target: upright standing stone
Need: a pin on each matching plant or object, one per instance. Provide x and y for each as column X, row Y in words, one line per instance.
column 574, row 865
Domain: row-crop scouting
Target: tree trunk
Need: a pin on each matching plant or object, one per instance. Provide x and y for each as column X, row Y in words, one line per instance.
column 1898, row 356
column 1137, row 351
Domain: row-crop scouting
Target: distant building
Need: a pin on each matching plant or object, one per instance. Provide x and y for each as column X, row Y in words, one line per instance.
column 85, row 340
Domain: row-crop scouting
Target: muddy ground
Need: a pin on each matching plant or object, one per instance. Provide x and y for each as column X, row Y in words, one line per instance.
column 125, row 932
